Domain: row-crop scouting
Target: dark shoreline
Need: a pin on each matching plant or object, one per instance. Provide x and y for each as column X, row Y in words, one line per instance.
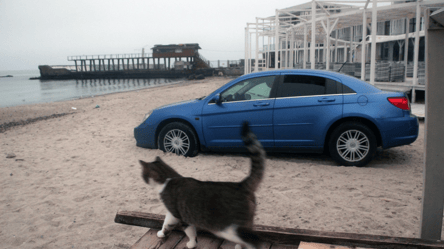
column 6, row 126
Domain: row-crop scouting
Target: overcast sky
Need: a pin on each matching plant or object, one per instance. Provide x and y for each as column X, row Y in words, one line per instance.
column 45, row 32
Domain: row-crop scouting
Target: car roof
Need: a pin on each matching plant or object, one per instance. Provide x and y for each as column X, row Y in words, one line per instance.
column 352, row 82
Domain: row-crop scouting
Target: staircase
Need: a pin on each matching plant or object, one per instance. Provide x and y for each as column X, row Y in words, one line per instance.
column 201, row 62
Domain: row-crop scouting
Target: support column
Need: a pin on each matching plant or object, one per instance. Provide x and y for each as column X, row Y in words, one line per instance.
column 336, row 46
column 268, row 52
column 246, row 52
column 285, row 51
column 305, row 47
column 276, row 40
column 391, row 48
column 433, row 171
column 249, row 52
column 363, row 44
column 374, row 30
column 416, row 51
column 406, row 44
column 291, row 63
column 313, row 34
column 317, row 53
column 327, row 58
column 350, row 55
column 256, row 64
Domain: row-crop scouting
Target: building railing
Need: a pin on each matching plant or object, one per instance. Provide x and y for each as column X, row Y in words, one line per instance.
column 109, row 56
column 226, row 63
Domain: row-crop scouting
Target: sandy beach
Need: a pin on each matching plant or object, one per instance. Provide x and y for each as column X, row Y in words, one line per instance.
column 72, row 173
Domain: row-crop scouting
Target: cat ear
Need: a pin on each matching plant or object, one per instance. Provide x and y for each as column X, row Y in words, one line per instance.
column 143, row 163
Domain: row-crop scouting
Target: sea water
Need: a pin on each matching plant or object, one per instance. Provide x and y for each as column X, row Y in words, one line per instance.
column 20, row 90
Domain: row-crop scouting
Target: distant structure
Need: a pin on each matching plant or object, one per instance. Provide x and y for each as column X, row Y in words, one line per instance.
column 187, row 51
column 166, row 61
column 372, row 40
column 176, row 50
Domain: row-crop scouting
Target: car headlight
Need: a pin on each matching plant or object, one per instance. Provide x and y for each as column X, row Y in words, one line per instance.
column 147, row 116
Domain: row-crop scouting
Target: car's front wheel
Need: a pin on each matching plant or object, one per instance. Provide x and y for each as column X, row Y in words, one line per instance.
column 178, row 138
column 352, row 144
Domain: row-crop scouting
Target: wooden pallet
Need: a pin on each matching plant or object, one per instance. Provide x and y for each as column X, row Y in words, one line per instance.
column 272, row 237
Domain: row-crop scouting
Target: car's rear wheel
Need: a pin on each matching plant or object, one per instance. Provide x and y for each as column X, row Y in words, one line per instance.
column 178, row 138
column 352, row 144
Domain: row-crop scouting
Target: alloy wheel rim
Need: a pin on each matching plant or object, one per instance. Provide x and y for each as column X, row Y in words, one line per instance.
column 176, row 141
column 353, row 145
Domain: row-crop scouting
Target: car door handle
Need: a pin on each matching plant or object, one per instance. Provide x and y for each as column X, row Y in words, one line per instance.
column 326, row 100
column 261, row 104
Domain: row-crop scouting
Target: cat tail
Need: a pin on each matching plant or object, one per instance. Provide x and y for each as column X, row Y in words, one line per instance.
column 257, row 155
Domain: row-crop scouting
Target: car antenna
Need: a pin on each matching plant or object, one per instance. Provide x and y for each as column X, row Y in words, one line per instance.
column 341, row 66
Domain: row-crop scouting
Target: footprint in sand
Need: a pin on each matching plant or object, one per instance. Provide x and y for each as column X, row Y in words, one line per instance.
column 80, row 199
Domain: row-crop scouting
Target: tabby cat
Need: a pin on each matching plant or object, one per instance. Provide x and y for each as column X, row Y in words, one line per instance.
column 224, row 208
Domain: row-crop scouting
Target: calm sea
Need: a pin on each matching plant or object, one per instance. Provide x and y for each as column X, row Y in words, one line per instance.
column 20, row 90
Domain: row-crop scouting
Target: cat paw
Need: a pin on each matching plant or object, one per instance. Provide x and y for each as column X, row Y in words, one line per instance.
column 160, row 234
column 238, row 246
column 191, row 244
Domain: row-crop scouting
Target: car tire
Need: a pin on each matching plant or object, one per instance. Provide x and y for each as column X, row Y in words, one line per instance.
column 352, row 144
column 178, row 138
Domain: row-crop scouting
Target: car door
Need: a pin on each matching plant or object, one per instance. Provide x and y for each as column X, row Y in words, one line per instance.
column 305, row 106
column 249, row 100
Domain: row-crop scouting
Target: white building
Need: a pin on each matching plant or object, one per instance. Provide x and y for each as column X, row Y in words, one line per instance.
column 376, row 53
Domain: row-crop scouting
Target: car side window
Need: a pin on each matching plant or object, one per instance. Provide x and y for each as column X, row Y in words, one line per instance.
column 251, row 89
column 306, row 85
column 346, row 89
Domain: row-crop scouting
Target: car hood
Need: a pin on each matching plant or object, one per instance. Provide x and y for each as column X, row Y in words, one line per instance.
column 180, row 103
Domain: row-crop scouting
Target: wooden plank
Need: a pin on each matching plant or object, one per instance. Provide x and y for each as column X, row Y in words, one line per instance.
column 140, row 219
column 173, row 240
column 292, row 236
column 230, row 245
column 310, row 245
column 278, row 246
column 204, row 241
column 148, row 241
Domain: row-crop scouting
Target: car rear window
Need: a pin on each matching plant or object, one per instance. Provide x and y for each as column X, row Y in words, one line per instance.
column 305, row 85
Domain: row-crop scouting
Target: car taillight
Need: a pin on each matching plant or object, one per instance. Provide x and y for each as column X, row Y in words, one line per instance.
column 400, row 102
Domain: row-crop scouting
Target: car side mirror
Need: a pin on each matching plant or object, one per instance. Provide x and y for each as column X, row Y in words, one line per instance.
column 216, row 99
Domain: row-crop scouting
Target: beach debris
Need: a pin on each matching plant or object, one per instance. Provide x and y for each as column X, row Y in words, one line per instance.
column 196, row 77
column 73, row 108
column 97, row 106
column 10, row 155
column 18, row 159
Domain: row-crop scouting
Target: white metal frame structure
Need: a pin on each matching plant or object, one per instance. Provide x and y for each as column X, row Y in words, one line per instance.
column 297, row 33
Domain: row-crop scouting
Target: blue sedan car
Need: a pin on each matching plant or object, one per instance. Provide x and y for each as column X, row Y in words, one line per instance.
column 289, row 111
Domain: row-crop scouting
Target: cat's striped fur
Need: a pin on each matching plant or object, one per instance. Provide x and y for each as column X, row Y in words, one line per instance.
column 223, row 208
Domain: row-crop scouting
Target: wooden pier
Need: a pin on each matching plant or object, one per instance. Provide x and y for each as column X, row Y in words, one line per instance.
column 166, row 61
column 272, row 237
